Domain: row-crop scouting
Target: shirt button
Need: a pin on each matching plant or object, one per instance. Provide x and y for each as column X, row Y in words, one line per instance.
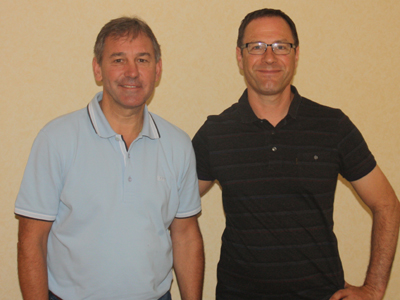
column 129, row 155
column 117, row 138
column 274, row 149
column 130, row 179
column 315, row 157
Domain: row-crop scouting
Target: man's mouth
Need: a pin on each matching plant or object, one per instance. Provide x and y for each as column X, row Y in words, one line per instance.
column 269, row 70
column 130, row 86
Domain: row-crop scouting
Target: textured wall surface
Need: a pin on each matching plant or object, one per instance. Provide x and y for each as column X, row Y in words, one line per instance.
column 348, row 59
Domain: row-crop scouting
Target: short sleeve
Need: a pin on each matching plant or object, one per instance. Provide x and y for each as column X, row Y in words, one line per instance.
column 201, row 150
column 356, row 159
column 188, row 187
column 41, row 185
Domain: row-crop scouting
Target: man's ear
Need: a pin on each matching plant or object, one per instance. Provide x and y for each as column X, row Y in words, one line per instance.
column 297, row 56
column 239, row 57
column 158, row 69
column 97, row 70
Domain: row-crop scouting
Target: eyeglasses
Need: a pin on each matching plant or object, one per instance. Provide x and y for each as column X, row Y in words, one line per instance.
column 259, row 48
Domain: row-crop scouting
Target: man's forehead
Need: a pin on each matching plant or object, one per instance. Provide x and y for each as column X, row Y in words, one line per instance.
column 140, row 40
column 127, row 37
column 269, row 27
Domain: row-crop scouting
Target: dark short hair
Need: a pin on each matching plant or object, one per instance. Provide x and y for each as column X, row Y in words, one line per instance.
column 266, row 13
column 121, row 27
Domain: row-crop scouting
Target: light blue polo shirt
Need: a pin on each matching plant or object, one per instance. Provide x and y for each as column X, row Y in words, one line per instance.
column 111, row 207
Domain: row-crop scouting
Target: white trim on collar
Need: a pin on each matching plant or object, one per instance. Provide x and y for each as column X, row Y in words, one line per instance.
column 103, row 129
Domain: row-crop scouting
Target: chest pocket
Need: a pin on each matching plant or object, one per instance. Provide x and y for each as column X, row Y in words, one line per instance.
column 317, row 171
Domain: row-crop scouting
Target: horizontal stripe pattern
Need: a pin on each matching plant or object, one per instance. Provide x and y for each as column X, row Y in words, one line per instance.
column 278, row 185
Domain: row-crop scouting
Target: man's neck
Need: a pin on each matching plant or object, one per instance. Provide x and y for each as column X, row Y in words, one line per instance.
column 272, row 108
column 128, row 123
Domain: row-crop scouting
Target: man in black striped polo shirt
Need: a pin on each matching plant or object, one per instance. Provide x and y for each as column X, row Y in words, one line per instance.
column 277, row 156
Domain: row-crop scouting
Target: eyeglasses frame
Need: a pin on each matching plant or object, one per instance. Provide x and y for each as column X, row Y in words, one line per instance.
column 292, row 46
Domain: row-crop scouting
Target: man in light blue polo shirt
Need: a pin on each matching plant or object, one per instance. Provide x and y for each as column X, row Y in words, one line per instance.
column 109, row 200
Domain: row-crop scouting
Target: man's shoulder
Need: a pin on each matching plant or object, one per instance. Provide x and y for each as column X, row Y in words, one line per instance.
column 227, row 117
column 64, row 131
column 228, row 114
column 65, row 123
column 169, row 130
column 224, row 123
column 311, row 108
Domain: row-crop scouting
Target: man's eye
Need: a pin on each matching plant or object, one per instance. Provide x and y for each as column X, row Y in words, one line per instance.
column 257, row 47
column 118, row 60
column 281, row 46
column 142, row 60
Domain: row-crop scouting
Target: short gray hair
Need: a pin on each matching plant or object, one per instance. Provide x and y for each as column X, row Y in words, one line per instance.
column 121, row 27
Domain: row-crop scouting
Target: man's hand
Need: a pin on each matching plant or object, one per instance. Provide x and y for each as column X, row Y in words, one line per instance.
column 351, row 292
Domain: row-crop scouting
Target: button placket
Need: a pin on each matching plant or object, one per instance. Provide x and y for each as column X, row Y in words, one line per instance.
column 131, row 183
column 273, row 140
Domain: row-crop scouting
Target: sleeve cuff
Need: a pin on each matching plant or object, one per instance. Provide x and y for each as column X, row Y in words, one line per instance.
column 188, row 214
column 33, row 215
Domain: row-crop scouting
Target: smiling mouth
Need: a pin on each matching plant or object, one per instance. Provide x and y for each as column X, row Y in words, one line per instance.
column 269, row 70
column 130, row 86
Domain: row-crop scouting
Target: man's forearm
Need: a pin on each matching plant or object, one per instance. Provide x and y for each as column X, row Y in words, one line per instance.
column 32, row 273
column 32, row 258
column 385, row 230
column 189, row 269
column 188, row 252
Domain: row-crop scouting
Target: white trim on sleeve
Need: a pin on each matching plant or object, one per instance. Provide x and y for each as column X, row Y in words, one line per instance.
column 188, row 214
column 33, row 215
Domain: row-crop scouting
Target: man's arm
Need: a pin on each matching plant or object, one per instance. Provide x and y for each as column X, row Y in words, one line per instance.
column 377, row 193
column 32, row 256
column 188, row 252
column 204, row 186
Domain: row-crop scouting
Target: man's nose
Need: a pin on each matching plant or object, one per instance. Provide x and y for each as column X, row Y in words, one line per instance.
column 131, row 70
column 269, row 56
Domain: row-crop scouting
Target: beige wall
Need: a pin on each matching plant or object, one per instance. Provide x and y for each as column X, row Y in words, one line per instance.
column 349, row 59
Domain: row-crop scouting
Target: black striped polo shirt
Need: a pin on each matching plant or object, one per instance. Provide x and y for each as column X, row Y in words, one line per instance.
column 278, row 186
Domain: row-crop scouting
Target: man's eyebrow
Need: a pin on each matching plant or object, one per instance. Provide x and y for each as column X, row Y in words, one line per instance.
column 144, row 54
column 118, row 54
column 140, row 54
column 282, row 41
column 276, row 41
